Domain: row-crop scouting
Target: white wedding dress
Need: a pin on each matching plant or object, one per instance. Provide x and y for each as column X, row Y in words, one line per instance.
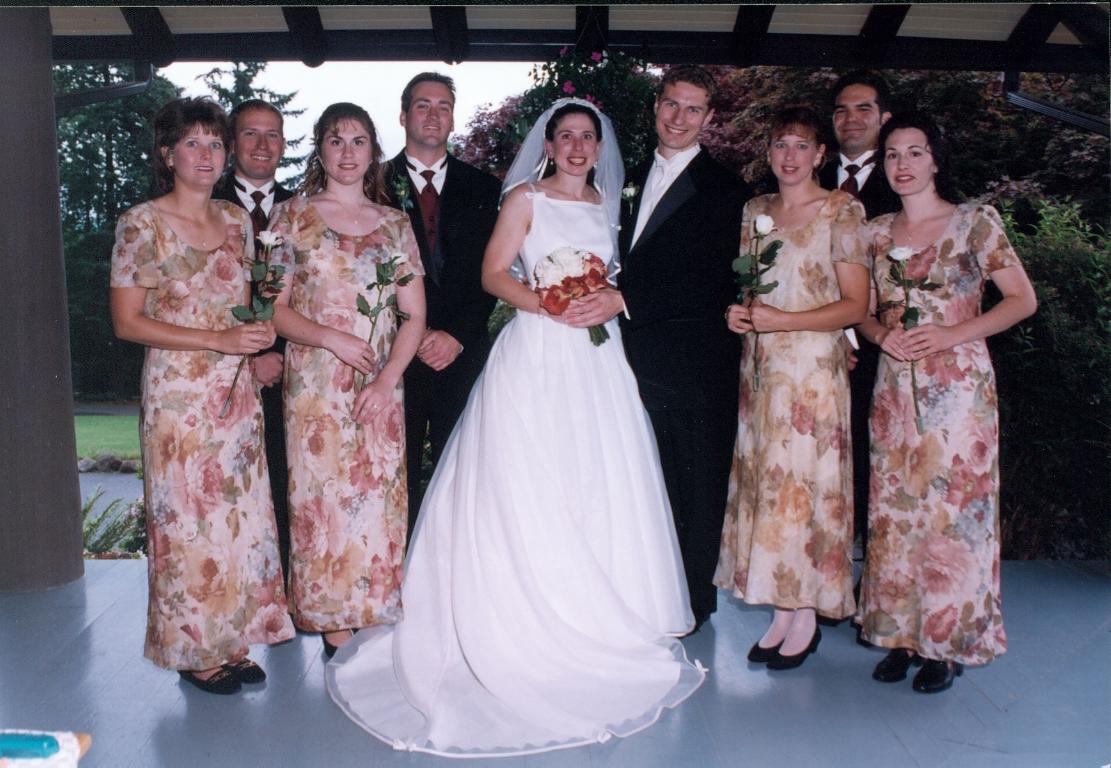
column 544, row 581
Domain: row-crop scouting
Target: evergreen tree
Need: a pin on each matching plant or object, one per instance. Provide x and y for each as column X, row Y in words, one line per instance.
column 236, row 83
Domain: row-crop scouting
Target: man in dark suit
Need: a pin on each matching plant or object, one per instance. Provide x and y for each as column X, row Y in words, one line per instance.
column 258, row 145
column 679, row 236
column 861, row 105
column 452, row 207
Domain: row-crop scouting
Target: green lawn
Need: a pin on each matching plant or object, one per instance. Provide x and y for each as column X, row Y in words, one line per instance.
column 97, row 434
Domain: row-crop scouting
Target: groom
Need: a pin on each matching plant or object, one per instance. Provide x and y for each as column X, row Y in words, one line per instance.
column 452, row 207
column 679, row 236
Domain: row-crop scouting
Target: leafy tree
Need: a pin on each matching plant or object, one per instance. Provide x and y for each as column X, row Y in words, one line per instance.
column 103, row 170
column 620, row 85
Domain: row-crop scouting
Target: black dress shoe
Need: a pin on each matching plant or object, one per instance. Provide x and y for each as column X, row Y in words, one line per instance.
column 894, row 666
column 224, row 682
column 700, row 618
column 790, row 662
column 247, row 671
column 329, row 649
column 757, row 654
column 937, row 676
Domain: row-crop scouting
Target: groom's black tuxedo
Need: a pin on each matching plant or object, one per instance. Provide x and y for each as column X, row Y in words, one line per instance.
column 677, row 282
column 271, row 399
column 456, row 304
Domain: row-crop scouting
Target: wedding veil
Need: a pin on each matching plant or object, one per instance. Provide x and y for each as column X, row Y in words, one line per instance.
column 609, row 172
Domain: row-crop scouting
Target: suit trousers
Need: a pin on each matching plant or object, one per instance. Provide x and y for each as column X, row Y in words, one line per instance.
column 862, row 380
column 274, row 426
column 433, row 403
column 696, row 453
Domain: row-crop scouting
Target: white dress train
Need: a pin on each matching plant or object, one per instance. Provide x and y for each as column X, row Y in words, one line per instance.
column 544, row 581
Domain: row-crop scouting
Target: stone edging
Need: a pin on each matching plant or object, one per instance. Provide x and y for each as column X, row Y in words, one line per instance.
column 107, row 462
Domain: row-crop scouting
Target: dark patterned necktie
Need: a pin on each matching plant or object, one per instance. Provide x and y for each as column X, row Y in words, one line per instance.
column 430, row 213
column 258, row 216
column 850, row 184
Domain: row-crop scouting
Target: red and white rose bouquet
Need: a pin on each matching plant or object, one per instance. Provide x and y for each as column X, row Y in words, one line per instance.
column 570, row 273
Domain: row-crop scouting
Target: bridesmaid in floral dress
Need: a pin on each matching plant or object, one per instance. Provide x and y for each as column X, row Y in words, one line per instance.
column 930, row 590
column 178, row 268
column 345, row 427
column 787, row 538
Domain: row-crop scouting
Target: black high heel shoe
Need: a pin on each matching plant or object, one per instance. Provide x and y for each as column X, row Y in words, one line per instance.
column 758, row 654
column 790, row 662
column 937, row 676
column 894, row 665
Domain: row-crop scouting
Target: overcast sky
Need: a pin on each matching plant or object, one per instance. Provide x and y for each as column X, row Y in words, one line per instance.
column 375, row 86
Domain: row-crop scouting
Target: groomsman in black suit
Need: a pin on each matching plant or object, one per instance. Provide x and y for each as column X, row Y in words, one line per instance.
column 679, row 236
column 258, row 143
column 452, row 207
column 861, row 105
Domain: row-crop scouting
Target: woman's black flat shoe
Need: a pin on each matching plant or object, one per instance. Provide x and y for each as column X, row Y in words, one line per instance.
column 937, row 676
column 790, row 662
column 758, row 654
column 247, row 671
column 329, row 649
column 894, row 666
column 222, row 683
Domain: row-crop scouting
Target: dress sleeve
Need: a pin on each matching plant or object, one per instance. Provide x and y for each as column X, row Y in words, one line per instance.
column 988, row 240
column 135, row 260
column 847, row 233
column 281, row 224
column 747, row 215
column 407, row 244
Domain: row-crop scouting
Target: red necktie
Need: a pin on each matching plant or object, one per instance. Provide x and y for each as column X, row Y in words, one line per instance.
column 429, row 209
column 850, row 184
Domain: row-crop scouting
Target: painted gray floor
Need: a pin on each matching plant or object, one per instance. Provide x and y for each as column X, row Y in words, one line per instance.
column 71, row 659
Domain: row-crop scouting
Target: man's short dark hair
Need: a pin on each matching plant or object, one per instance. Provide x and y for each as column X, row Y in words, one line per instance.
column 247, row 106
column 425, row 77
column 694, row 74
column 866, row 77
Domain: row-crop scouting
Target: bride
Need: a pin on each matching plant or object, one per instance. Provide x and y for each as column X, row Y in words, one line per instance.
column 543, row 590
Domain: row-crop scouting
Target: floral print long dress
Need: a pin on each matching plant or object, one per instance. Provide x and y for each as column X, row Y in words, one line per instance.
column 347, row 484
column 215, row 580
column 931, row 580
column 787, row 538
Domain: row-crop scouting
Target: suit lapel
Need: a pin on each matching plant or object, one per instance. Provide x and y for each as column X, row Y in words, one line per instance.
column 398, row 170
column 629, row 214
column 680, row 191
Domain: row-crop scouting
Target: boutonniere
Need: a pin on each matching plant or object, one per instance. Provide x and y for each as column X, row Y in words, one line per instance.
column 629, row 193
column 403, row 192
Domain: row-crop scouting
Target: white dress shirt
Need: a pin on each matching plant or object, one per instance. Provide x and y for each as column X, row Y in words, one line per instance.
column 660, row 178
column 415, row 167
column 244, row 188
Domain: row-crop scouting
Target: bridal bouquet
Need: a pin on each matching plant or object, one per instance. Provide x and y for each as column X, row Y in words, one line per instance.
column 750, row 267
column 267, row 278
column 570, row 273
column 909, row 271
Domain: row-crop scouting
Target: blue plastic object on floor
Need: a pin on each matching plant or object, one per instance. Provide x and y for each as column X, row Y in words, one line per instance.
column 23, row 745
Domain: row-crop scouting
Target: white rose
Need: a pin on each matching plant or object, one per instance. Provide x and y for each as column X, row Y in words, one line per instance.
column 902, row 253
column 569, row 261
column 269, row 239
column 764, row 225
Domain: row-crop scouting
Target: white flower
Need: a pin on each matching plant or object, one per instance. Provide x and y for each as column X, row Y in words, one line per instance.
column 269, row 238
column 902, row 253
column 629, row 191
column 764, row 225
column 560, row 263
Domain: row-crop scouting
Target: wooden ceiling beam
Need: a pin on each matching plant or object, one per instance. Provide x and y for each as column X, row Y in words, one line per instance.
column 592, row 28
column 1031, row 32
column 449, row 29
column 750, row 30
column 880, row 29
column 150, row 35
column 306, row 30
